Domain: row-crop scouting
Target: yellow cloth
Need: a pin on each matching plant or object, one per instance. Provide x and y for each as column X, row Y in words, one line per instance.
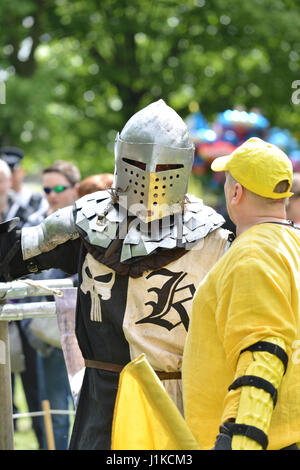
column 250, row 294
column 145, row 417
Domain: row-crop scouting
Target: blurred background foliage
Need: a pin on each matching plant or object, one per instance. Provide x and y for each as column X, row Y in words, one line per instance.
column 76, row 70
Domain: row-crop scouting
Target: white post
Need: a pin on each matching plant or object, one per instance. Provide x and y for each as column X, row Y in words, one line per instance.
column 6, row 421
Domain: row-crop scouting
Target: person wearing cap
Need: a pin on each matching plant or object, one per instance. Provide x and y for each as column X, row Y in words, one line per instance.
column 13, row 157
column 8, row 208
column 22, row 201
column 5, row 185
column 241, row 368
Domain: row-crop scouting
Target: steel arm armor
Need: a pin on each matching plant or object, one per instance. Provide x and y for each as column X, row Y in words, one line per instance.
column 56, row 229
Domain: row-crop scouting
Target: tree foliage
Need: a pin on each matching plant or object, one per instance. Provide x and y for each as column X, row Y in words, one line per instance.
column 76, row 70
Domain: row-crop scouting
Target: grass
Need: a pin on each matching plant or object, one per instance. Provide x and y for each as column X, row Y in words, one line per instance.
column 24, row 436
column 24, row 439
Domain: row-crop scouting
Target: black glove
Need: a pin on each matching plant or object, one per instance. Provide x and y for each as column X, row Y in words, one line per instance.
column 10, row 242
column 224, row 438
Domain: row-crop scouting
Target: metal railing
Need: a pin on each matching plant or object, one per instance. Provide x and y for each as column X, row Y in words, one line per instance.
column 18, row 311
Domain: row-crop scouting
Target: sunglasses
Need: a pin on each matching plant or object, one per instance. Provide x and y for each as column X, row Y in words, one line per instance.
column 57, row 189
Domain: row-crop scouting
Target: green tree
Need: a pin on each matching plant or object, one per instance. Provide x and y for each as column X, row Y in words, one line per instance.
column 75, row 71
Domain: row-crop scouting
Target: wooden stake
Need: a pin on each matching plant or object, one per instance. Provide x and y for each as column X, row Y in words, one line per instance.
column 48, row 425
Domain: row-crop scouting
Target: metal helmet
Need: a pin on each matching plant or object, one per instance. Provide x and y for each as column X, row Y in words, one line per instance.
column 154, row 156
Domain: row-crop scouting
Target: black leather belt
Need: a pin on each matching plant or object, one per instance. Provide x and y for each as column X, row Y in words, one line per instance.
column 118, row 368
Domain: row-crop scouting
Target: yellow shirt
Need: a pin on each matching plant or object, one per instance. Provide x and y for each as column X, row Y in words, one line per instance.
column 251, row 293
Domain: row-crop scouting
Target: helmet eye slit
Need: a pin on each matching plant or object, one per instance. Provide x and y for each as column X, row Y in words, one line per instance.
column 135, row 163
column 166, row 167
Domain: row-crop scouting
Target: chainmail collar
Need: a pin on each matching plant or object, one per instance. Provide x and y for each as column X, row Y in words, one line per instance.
column 102, row 223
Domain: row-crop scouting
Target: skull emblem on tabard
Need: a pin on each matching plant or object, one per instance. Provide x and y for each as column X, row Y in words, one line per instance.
column 98, row 280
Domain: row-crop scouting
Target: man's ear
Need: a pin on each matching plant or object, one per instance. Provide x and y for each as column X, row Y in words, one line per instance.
column 238, row 193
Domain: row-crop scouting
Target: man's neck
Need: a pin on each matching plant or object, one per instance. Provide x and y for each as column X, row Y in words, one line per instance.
column 256, row 220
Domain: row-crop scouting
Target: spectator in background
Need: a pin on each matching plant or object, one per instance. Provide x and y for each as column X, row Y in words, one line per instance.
column 5, row 185
column 60, row 183
column 23, row 201
column 293, row 205
column 28, row 372
column 95, row 183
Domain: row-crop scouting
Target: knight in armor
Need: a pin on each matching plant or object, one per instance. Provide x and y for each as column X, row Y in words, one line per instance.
column 140, row 250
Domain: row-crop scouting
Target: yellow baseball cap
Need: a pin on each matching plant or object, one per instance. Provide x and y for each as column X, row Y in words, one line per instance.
column 258, row 166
